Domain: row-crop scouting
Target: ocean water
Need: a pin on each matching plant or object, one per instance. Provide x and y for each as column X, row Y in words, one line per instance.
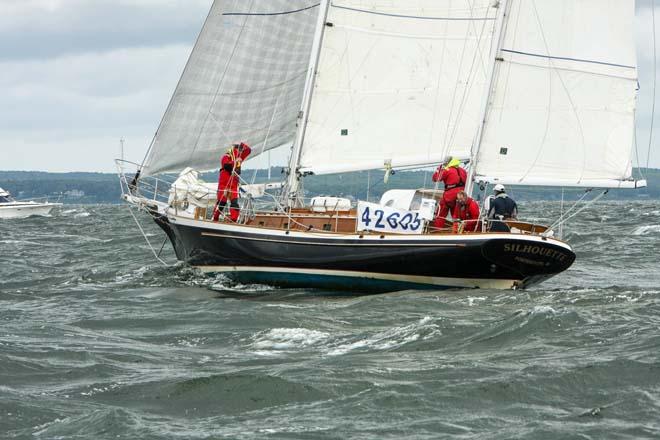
column 98, row 340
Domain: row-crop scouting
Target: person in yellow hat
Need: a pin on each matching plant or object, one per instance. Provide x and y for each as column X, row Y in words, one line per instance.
column 454, row 177
column 228, row 180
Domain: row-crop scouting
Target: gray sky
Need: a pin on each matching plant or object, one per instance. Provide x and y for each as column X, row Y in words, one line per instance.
column 77, row 75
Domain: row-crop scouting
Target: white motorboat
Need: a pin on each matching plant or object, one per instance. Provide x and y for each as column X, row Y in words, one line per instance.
column 11, row 208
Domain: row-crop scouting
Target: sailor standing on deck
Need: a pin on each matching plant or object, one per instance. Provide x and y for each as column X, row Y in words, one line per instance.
column 454, row 178
column 228, row 181
column 501, row 207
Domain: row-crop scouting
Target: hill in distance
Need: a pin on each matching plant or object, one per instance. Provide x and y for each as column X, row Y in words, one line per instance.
column 83, row 188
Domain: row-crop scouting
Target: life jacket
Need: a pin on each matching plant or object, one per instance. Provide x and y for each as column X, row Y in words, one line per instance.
column 233, row 156
column 462, row 178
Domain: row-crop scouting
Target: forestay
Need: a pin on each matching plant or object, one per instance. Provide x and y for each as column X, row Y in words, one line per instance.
column 399, row 83
column 243, row 82
column 563, row 102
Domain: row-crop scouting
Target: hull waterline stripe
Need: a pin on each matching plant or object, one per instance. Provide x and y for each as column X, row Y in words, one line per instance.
column 415, row 279
column 318, row 243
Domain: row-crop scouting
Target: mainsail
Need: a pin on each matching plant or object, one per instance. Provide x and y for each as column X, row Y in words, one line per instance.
column 398, row 83
column 244, row 81
column 562, row 105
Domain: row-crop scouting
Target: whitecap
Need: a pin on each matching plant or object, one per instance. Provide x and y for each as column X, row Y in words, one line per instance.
column 542, row 310
column 394, row 337
column 646, row 229
column 473, row 299
column 288, row 338
column 82, row 214
column 17, row 242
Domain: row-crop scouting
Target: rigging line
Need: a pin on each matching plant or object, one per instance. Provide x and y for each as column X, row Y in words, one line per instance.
column 169, row 104
column 261, row 14
column 347, row 39
column 468, row 88
column 253, row 91
column 343, row 56
column 547, row 120
column 568, row 95
column 579, row 60
column 411, row 16
column 445, row 141
column 459, row 112
column 589, row 203
column 561, row 214
column 483, row 61
column 145, row 237
column 655, row 75
column 563, row 217
column 637, row 158
column 397, row 34
column 437, row 93
column 217, row 90
column 270, row 126
column 569, row 69
column 508, row 72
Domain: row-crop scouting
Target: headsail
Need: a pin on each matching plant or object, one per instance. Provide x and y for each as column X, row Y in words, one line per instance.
column 398, row 83
column 244, row 81
column 562, row 108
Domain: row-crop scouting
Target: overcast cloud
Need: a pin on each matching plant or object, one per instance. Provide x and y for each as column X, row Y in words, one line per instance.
column 76, row 75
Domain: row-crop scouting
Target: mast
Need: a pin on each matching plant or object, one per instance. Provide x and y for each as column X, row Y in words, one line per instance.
column 293, row 179
column 496, row 43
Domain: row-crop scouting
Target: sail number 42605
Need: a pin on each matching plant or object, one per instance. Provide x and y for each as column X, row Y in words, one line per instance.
column 408, row 222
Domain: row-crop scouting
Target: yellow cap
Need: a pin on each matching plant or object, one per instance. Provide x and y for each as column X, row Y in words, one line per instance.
column 453, row 163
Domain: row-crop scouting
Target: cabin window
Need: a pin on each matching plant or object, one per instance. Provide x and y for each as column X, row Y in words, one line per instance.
column 327, row 226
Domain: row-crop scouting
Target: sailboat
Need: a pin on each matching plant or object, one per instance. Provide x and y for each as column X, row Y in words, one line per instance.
column 537, row 93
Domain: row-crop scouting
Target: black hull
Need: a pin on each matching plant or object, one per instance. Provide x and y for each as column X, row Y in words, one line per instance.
column 375, row 263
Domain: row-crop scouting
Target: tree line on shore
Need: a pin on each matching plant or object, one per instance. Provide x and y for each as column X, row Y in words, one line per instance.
column 82, row 188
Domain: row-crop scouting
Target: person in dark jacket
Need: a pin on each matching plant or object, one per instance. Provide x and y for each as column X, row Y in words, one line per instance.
column 501, row 208
column 228, row 180
column 454, row 178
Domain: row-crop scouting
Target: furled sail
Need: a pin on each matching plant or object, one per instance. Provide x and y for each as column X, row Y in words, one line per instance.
column 398, row 83
column 562, row 106
column 244, row 81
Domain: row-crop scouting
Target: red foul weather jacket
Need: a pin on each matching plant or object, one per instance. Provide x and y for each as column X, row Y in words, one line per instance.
column 229, row 171
column 469, row 213
column 453, row 177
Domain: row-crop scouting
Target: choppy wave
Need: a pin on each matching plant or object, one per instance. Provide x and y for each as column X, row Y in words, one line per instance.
column 99, row 340
column 647, row 229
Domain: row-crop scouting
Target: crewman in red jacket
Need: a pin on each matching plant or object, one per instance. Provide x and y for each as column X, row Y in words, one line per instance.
column 467, row 210
column 228, row 181
column 454, row 178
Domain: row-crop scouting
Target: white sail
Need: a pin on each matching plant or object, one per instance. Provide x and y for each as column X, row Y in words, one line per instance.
column 399, row 84
column 243, row 82
column 562, row 108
